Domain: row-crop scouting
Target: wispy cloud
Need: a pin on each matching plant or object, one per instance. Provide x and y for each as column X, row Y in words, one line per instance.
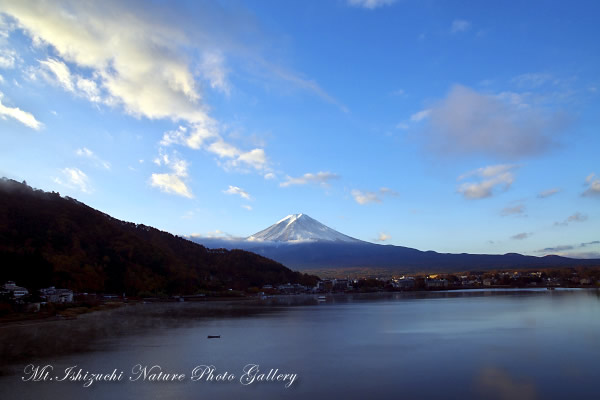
column 87, row 153
column 137, row 62
column 383, row 237
column 460, row 25
column 305, row 84
column 366, row 197
column 74, row 178
column 533, row 80
column 216, row 234
column 214, row 70
column 17, row 114
column 572, row 250
column 593, row 185
column 234, row 190
column 521, row 236
column 205, row 135
column 556, row 249
column 173, row 182
column 370, row 4
column 488, row 181
column 548, row 193
column 577, row 217
column 519, row 209
column 320, row 178
column 470, row 123
column 8, row 58
column 420, row 116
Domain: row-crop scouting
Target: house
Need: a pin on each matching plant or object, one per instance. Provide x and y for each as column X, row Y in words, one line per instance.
column 436, row 283
column 53, row 295
column 404, row 282
column 12, row 290
column 341, row 284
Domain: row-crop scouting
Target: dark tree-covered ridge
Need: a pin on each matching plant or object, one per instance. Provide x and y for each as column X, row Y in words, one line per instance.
column 46, row 239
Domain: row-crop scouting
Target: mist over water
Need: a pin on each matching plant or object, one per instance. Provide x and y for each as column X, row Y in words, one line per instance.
column 476, row 344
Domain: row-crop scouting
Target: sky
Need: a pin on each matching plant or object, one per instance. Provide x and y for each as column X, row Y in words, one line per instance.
column 454, row 126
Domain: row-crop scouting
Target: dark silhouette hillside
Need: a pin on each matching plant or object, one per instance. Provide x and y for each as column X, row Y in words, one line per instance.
column 46, row 239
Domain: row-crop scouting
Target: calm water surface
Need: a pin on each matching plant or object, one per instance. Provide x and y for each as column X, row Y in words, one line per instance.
column 485, row 344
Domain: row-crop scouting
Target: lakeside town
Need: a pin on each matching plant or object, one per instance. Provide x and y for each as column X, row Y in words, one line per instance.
column 17, row 302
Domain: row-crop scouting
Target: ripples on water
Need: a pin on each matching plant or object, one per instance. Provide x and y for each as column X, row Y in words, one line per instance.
column 511, row 344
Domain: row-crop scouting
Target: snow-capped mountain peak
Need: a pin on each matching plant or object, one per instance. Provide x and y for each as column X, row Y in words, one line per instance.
column 300, row 228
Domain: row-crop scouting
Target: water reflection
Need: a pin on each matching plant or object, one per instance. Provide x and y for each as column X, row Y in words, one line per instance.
column 454, row 344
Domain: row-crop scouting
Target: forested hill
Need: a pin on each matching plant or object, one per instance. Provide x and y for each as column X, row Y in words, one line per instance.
column 46, row 239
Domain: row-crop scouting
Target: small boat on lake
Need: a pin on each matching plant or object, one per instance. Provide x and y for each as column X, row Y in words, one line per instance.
column 214, row 336
column 321, row 298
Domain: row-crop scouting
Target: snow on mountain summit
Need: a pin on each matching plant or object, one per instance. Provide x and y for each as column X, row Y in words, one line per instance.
column 300, row 228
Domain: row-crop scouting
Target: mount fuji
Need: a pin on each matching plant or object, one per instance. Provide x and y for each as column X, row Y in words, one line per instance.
column 300, row 228
column 303, row 243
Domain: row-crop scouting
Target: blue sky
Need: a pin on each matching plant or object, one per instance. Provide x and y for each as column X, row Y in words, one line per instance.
column 440, row 125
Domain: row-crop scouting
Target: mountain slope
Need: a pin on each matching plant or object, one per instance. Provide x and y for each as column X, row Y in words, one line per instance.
column 300, row 228
column 312, row 245
column 46, row 239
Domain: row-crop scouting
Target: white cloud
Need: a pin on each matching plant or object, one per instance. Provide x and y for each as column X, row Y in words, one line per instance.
column 548, row 193
column 593, row 185
column 85, row 152
column 214, row 70
column 363, row 197
column 366, row 197
column 61, row 72
column 247, row 207
column 131, row 56
column 321, row 178
column 590, row 177
column 198, row 135
column 74, row 178
column 205, row 135
column 146, row 62
column 488, row 180
column 269, row 175
column 216, row 234
column 170, row 183
column 16, row 113
column 88, row 89
column 255, row 158
column 420, row 116
column 174, row 182
column 460, row 25
column 8, row 58
column 370, row 4
column 470, row 123
column 133, row 61
column 234, row 190
column 383, row 237
column 223, row 149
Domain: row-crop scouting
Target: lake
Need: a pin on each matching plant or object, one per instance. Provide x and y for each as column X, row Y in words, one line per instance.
column 498, row 344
